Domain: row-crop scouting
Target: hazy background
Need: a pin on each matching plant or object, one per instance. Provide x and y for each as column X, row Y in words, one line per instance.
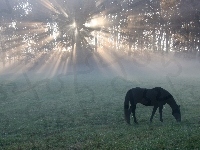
column 65, row 67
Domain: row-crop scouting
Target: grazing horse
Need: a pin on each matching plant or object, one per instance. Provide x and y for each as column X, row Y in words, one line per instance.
column 156, row 97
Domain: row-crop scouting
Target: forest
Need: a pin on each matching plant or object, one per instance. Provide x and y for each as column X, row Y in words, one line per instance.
column 34, row 31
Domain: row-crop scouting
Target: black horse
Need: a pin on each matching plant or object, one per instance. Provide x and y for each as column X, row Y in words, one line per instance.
column 156, row 97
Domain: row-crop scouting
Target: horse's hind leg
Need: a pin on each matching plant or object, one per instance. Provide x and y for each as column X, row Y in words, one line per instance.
column 153, row 112
column 133, row 107
column 160, row 111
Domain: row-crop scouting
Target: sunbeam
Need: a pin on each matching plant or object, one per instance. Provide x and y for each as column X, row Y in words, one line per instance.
column 78, row 28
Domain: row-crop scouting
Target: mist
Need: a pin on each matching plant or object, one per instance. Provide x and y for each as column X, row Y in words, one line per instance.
column 66, row 66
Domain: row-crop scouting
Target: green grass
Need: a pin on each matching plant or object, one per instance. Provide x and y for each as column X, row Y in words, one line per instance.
column 87, row 113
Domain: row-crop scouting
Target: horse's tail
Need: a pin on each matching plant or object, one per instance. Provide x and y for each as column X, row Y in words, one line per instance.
column 127, row 110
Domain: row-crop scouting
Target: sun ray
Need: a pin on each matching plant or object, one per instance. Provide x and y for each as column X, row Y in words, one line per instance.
column 48, row 5
column 59, row 30
column 61, row 9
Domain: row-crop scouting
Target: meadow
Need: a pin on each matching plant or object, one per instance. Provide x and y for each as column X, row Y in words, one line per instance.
column 86, row 111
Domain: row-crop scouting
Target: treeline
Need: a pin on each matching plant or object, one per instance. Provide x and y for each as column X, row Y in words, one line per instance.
column 157, row 25
column 130, row 25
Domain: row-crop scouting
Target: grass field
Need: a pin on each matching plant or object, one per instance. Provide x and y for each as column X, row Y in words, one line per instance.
column 86, row 112
column 49, row 114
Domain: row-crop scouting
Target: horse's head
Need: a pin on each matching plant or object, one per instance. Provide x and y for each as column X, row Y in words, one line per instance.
column 177, row 114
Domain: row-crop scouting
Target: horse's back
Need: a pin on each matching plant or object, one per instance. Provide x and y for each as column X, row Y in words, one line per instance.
column 148, row 97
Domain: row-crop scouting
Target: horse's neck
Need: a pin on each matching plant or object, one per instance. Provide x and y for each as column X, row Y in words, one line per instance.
column 172, row 103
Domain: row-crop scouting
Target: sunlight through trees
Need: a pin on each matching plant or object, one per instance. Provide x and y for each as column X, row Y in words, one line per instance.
column 40, row 30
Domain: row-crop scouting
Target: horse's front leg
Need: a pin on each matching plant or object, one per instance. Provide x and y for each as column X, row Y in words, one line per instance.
column 153, row 112
column 133, row 107
column 160, row 111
